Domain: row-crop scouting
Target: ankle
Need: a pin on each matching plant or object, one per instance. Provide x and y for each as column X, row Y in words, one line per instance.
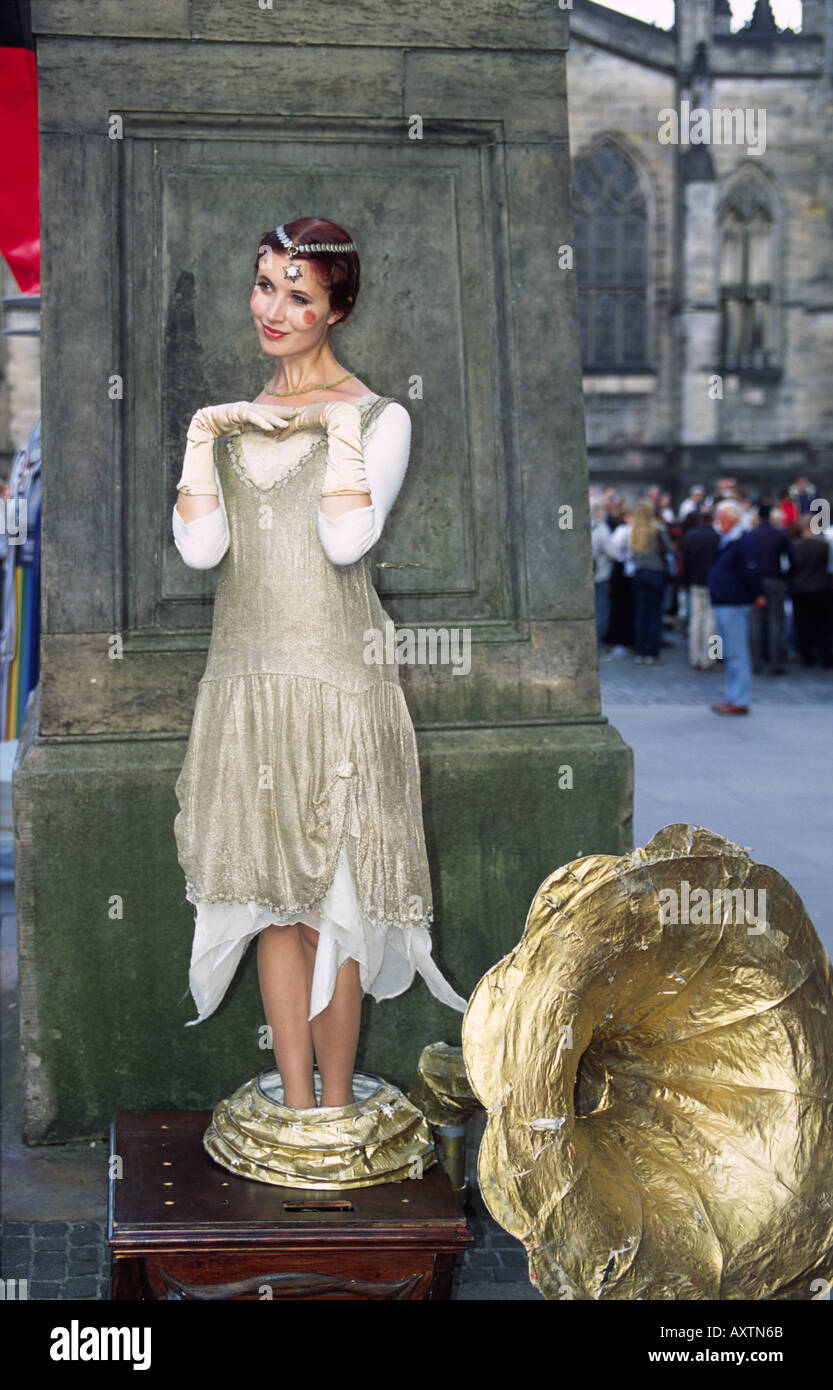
column 299, row 1100
column 299, row 1093
column 338, row 1097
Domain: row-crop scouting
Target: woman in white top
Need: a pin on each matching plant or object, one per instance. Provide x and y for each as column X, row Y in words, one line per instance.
column 300, row 816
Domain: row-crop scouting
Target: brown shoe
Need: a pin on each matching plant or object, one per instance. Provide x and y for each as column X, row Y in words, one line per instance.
column 726, row 708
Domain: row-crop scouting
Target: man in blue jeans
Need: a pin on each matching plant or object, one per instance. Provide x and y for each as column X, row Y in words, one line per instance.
column 735, row 584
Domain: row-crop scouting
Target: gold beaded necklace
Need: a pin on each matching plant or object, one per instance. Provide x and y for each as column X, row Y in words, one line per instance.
column 305, row 389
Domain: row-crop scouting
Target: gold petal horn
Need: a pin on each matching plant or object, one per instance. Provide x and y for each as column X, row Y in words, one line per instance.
column 655, row 1056
column 442, row 1093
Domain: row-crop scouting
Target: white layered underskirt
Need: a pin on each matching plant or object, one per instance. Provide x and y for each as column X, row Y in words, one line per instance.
column 388, row 956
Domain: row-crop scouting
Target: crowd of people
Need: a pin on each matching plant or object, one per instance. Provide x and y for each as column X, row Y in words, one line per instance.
column 750, row 580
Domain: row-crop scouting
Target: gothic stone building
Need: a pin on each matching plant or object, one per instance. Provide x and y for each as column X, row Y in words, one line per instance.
column 703, row 188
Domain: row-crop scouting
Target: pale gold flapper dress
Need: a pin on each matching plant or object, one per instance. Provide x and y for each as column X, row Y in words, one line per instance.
column 299, row 795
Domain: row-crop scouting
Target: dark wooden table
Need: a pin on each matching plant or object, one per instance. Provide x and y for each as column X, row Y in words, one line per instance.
column 182, row 1227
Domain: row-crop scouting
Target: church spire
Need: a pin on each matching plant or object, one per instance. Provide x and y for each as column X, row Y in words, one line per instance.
column 762, row 24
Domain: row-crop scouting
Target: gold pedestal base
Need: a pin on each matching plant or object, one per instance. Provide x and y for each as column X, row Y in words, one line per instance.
column 383, row 1137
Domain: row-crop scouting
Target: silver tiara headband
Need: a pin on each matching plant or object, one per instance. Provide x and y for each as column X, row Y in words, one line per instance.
column 294, row 272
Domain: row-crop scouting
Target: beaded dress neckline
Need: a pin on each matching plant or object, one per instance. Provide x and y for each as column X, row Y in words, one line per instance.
column 264, row 461
column 369, row 395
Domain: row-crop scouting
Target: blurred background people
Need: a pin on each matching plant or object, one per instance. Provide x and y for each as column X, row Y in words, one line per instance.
column 812, row 595
column 631, row 571
column 604, row 555
column 613, row 507
column 699, row 547
column 620, row 623
column 776, row 557
column 693, row 502
column 788, row 508
column 734, row 585
column 802, row 493
column 648, row 547
column 665, row 510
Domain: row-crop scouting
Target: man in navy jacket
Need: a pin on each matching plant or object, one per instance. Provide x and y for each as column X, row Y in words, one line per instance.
column 735, row 584
column 777, row 558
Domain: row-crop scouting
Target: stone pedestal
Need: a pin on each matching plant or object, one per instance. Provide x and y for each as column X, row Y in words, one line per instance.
column 172, row 137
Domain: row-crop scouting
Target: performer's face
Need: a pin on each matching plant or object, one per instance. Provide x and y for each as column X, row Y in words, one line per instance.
column 290, row 315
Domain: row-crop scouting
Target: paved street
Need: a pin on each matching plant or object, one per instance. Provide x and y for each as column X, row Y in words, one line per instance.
column 762, row 779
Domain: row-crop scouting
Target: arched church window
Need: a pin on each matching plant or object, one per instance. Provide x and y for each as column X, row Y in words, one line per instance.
column 747, row 278
column 611, row 221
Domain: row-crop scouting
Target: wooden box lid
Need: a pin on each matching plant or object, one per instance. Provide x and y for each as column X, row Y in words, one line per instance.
column 166, row 1192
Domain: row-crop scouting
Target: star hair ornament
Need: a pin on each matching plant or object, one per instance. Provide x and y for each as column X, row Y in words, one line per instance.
column 293, row 271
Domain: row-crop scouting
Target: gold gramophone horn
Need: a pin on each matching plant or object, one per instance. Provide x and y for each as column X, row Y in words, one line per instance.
column 656, row 1056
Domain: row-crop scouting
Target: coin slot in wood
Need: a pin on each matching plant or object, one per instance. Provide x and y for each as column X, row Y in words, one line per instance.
column 316, row 1204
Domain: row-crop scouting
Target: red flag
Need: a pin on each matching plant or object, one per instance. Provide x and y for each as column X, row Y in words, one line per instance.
column 19, row 182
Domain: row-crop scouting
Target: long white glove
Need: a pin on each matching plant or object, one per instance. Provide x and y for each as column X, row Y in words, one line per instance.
column 345, row 475
column 209, row 424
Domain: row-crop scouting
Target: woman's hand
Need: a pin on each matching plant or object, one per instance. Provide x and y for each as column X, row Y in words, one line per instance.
column 228, row 419
column 345, row 476
column 211, row 423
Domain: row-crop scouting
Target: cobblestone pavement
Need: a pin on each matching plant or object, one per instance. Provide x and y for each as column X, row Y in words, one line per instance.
column 56, row 1259
column 63, row 1260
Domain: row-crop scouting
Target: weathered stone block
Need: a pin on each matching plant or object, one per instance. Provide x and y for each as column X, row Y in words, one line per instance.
column 105, row 928
column 233, row 118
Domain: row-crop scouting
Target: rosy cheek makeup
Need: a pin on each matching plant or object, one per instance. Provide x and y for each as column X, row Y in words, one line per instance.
column 308, row 316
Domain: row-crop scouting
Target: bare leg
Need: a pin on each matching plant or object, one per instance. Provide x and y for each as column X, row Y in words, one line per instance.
column 335, row 1031
column 283, row 971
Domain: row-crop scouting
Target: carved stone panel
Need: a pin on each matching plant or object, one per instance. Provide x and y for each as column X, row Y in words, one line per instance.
column 426, row 221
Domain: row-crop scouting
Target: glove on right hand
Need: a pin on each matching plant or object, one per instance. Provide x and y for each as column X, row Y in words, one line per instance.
column 345, row 458
column 210, row 423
